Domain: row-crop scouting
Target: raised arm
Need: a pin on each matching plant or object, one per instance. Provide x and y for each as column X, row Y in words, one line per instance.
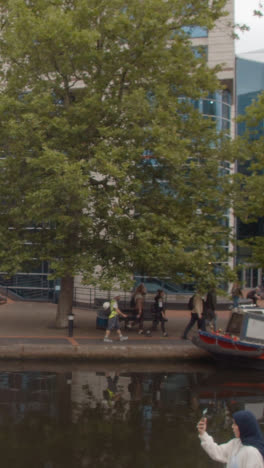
column 219, row 453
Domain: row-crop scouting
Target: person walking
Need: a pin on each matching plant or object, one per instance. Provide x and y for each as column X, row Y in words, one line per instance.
column 210, row 306
column 136, row 305
column 236, row 293
column 113, row 321
column 159, row 312
column 246, row 450
column 197, row 308
column 139, row 298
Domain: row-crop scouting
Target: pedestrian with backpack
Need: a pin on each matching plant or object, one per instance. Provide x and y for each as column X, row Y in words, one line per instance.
column 113, row 321
column 210, row 306
column 196, row 305
column 129, row 323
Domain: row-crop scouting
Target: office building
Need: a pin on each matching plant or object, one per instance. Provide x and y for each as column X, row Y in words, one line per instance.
column 249, row 84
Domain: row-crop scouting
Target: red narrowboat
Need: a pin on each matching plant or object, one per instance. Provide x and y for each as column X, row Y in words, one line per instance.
column 242, row 343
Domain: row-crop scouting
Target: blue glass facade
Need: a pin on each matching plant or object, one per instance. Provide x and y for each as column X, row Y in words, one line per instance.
column 218, row 107
column 249, row 84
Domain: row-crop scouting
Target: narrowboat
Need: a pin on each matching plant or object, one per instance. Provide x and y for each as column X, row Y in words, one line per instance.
column 242, row 343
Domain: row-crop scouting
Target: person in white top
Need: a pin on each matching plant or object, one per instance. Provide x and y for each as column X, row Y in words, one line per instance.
column 246, row 450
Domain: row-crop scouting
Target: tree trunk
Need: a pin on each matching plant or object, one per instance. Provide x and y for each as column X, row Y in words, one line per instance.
column 65, row 302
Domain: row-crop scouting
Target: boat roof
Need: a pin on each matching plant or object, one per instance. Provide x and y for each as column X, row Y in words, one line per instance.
column 247, row 323
column 250, row 308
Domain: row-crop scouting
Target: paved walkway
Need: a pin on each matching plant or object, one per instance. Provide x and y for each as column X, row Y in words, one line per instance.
column 28, row 332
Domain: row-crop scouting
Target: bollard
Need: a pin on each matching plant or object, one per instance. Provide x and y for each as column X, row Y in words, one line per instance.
column 70, row 324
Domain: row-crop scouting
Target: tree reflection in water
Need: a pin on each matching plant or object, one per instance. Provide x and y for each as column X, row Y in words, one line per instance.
column 114, row 419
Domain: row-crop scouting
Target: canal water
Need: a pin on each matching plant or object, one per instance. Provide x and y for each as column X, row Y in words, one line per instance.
column 118, row 416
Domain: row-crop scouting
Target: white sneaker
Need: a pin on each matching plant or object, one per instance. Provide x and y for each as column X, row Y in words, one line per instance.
column 107, row 340
column 123, row 338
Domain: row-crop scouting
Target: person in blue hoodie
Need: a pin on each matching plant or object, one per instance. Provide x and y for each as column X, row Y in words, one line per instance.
column 246, row 450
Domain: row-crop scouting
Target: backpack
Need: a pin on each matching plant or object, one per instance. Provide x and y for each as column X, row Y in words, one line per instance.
column 190, row 303
column 106, row 309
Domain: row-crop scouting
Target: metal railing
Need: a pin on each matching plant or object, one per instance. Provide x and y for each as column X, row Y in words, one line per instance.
column 23, row 286
column 93, row 298
column 37, row 287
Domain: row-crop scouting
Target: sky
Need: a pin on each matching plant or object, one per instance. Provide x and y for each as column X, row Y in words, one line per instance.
column 253, row 39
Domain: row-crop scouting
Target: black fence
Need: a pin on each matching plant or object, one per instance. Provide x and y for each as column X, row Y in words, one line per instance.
column 30, row 287
column 37, row 287
column 92, row 298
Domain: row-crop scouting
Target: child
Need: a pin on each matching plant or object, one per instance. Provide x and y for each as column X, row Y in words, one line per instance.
column 113, row 321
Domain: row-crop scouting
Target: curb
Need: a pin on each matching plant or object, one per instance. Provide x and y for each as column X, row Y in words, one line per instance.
column 103, row 352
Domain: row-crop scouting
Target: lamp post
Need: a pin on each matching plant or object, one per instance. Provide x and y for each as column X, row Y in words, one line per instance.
column 70, row 324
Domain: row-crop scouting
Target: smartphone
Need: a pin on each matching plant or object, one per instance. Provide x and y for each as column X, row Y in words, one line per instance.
column 204, row 413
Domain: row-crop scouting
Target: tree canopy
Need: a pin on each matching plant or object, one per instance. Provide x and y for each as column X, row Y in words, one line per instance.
column 108, row 167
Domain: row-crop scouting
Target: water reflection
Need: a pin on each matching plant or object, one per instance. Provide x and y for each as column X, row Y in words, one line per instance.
column 116, row 417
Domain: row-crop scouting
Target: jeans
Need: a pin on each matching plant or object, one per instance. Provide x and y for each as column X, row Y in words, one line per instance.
column 194, row 318
column 235, row 301
column 135, row 320
column 156, row 319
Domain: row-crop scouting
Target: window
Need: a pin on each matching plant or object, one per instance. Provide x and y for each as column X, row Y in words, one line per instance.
column 200, row 51
column 195, row 31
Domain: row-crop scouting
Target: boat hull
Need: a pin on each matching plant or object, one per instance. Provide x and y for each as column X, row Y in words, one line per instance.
column 231, row 350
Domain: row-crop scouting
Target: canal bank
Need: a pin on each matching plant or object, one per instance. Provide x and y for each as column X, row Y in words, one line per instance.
column 28, row 332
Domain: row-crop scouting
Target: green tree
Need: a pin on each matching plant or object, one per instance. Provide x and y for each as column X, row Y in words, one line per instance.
column 107, row 166
column 248, row 187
